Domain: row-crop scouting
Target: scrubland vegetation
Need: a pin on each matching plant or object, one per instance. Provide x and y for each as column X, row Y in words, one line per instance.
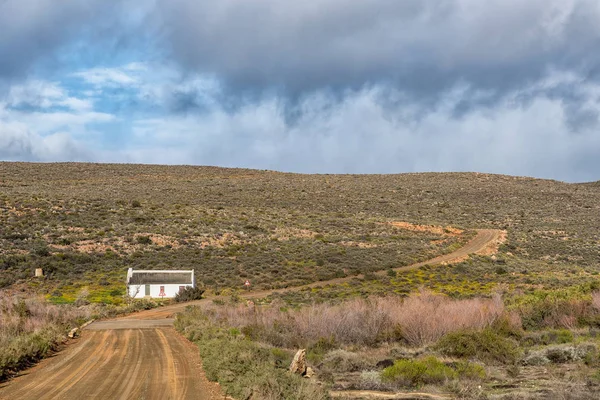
column 465, row 348
column 535, row 334
column 86, row 226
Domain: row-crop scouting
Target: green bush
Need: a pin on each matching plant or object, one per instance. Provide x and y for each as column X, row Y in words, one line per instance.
column 470, row 371
column 418, row 372
column 316, row 351
column 485, row 346
column 144, row 240
column 555, row 336
column 143, row 304
column 189, row 294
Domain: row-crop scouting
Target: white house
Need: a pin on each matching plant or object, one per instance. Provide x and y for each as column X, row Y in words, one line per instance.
column 158, row 284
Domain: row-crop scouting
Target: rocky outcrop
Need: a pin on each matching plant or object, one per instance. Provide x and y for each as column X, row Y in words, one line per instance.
column 298, row 365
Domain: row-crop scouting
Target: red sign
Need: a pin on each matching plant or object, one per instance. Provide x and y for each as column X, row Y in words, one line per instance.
column 162, row 292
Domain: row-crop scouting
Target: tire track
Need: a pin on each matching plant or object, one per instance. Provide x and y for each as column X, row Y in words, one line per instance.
column 111, row 375
column 171, row 373
column 125, row 387
column 72, row 379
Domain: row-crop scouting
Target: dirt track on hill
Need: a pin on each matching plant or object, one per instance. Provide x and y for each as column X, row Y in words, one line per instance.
column 141, row 357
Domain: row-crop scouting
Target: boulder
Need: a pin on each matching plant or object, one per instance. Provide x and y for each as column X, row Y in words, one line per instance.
column 309, row 372
column 298, row 365
column 74, row 332
column 384, row 363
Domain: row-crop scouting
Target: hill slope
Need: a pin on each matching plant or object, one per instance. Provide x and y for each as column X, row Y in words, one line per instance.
column 86, row 223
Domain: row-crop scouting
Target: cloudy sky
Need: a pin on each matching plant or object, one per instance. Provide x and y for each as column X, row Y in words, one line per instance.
column 327, row 86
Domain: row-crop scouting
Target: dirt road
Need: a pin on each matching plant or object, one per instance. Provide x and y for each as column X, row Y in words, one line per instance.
column 142, row 357
column 149, row 363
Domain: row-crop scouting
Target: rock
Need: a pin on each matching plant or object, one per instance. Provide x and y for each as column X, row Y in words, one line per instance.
column 309, row 372
column 384, row 363
column 87, row 323
column 74, row 332
column 298, row 365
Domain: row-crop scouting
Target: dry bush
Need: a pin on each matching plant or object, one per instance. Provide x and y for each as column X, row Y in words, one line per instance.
column 596, row 300
column 29, row 328
column 427, row 317
column 419, row 319
column 559, row 313
column 20, row 316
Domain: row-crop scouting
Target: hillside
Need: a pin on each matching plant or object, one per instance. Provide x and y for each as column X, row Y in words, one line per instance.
column 84, row 224
column 518, row 320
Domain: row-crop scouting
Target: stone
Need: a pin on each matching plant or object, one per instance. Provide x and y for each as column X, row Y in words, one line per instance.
column 74, row 332
column 384, row 363
column 309, row 372
column 298, row 365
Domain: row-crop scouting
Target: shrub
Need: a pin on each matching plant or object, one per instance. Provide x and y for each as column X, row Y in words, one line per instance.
column 470, row 371
column 343, row 361
column 144, row 240
column 443, row 316
column 371, row 380
column 555, row 336
column 560, row 354
column 189, row 294
column 555, row 310
column 596, row 300
column 143, row 304
column 484, row 346
column 418, row 372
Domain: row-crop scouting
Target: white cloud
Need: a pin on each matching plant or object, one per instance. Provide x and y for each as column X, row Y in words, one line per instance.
column 43, row 95
column 18, row 143
column 40, row 121
column 127, row 75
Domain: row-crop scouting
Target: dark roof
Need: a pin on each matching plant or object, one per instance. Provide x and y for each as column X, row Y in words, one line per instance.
column 149, row 277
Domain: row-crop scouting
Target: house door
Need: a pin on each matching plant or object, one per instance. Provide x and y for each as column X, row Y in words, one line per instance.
column 147, row 293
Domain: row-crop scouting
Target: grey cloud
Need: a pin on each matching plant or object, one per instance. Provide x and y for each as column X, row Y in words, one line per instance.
column 421, row 46
column 35, row 30
column 363, row 133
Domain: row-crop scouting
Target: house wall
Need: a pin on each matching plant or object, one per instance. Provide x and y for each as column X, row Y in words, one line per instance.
column 139, row 291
